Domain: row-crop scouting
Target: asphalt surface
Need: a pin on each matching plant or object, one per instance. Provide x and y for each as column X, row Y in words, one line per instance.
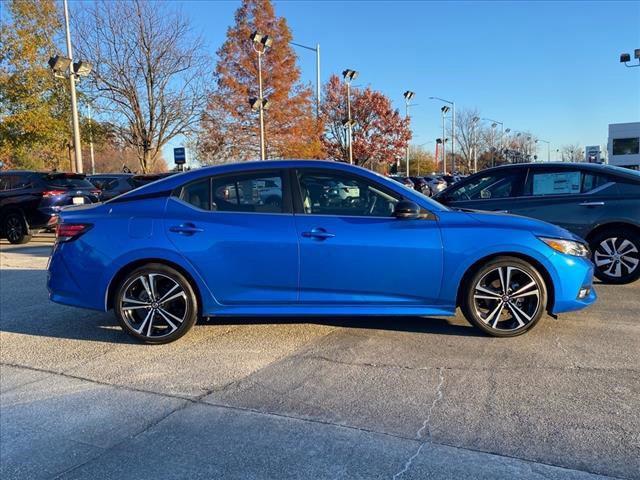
column 407, row 398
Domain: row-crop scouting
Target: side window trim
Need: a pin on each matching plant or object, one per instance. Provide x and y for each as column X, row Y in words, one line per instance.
column 287, row 208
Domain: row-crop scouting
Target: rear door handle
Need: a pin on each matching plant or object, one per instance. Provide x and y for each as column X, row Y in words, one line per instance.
column 592, row 204
column 185, row 229
column 319, row 233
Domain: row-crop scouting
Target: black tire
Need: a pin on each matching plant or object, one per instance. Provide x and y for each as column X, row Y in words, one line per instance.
column 151, row 320
column 518, row 308
column 15, row 229
column 616, row 255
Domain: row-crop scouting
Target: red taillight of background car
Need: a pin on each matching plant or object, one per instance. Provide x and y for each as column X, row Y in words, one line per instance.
column 53, row 193
column 70, row 231
column 96, row 192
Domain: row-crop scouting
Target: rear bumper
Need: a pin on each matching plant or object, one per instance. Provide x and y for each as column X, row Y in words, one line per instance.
column 572, row 275
column 65, row 288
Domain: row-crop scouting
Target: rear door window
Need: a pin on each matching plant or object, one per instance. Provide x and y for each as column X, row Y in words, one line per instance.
column 254, row 192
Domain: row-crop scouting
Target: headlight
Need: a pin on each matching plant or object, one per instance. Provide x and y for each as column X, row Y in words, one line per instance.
column 568, row 247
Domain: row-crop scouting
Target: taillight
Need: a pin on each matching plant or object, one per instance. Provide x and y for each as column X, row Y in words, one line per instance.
column 96, row 192
column 70, row 231
column 53, row 193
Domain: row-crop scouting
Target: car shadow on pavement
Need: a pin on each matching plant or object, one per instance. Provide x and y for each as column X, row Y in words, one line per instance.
column 25, row 309
column 412, row 324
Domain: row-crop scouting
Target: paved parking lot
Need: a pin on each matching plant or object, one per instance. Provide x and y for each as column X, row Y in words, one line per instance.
column 407, row 398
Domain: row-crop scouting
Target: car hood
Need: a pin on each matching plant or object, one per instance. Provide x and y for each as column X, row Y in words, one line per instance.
column 508, row 220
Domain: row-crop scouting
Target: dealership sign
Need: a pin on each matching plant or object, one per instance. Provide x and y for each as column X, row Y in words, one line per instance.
column 592, row 154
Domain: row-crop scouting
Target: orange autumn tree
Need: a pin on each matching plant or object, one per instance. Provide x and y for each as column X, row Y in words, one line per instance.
column 230, row 129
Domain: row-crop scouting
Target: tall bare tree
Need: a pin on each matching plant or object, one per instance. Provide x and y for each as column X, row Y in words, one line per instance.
column 572, row 153
column 150, row 71
column 469, row 135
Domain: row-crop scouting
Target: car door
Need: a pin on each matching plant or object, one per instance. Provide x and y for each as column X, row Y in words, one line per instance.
column 565, row 196
column 353, row 251
column 244, row 247
column 492, row 191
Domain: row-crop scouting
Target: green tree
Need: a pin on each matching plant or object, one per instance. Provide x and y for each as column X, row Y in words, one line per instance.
column 34, row 107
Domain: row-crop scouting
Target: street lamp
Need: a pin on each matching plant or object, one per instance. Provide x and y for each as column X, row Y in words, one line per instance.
column 494, row 124
column 548, row 148
column 349, row 76
column 408, row 95
column 453, row 130
column 63, row 67
column 317, row 51
column 260, row 45
column 625, row 58
column 444, row 109
column 527, row 145
column 474, row 142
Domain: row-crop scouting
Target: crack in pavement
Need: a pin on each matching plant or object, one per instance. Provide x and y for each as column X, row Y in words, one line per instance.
column 426, row 426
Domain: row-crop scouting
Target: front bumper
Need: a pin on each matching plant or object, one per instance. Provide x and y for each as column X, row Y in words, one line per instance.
column 572, row 275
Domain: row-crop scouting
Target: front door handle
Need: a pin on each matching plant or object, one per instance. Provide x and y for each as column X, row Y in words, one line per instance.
column 185, row 229
column 319, row 233
column 592, row 204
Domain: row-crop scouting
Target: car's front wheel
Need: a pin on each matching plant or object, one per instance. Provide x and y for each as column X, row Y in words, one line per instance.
column 156, row 304
column 505, row 297
column 616, row 255
column 15, row 229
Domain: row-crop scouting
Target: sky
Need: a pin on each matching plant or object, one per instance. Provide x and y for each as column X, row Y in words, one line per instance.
column 549, row 68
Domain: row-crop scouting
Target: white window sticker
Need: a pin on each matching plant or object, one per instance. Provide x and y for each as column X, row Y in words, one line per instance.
column 557, row 183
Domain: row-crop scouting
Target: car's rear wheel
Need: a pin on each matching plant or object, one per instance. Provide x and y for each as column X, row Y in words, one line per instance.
column 504, row 298
column 15, row 229
column 156, row 304
column 616, row 255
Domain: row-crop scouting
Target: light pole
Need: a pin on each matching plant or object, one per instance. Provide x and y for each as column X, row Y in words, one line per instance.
column 317, row 50
column 527, row 145
column 349, row 76
column 453, row 130
column 65, row 67
column 494, row 124
column 444, row 109
column 93, row 163
column 408, row 95
column 260, row 45
column 474, row 142
column 548, row 148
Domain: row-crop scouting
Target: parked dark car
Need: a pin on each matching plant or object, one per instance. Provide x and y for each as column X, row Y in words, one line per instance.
column 600, row 203
column 143, row 179
column 450, row 179
column 31, row 201
column 406, row 181
column 112, row 184
column 421, row 185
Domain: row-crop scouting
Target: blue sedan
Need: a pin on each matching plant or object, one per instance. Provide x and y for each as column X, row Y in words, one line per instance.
column 295, row 238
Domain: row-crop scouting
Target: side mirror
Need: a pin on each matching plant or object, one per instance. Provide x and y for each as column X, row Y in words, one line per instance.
column 406, row 210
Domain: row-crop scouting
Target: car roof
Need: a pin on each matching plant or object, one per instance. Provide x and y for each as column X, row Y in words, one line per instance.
column 118, row 174
column 595, row 167
column 174, row 181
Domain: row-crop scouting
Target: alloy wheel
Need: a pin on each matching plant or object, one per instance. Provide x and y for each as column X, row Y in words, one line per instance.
column 154, row 305
column 506, row 298
column 14, row 229
column 616, row 257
